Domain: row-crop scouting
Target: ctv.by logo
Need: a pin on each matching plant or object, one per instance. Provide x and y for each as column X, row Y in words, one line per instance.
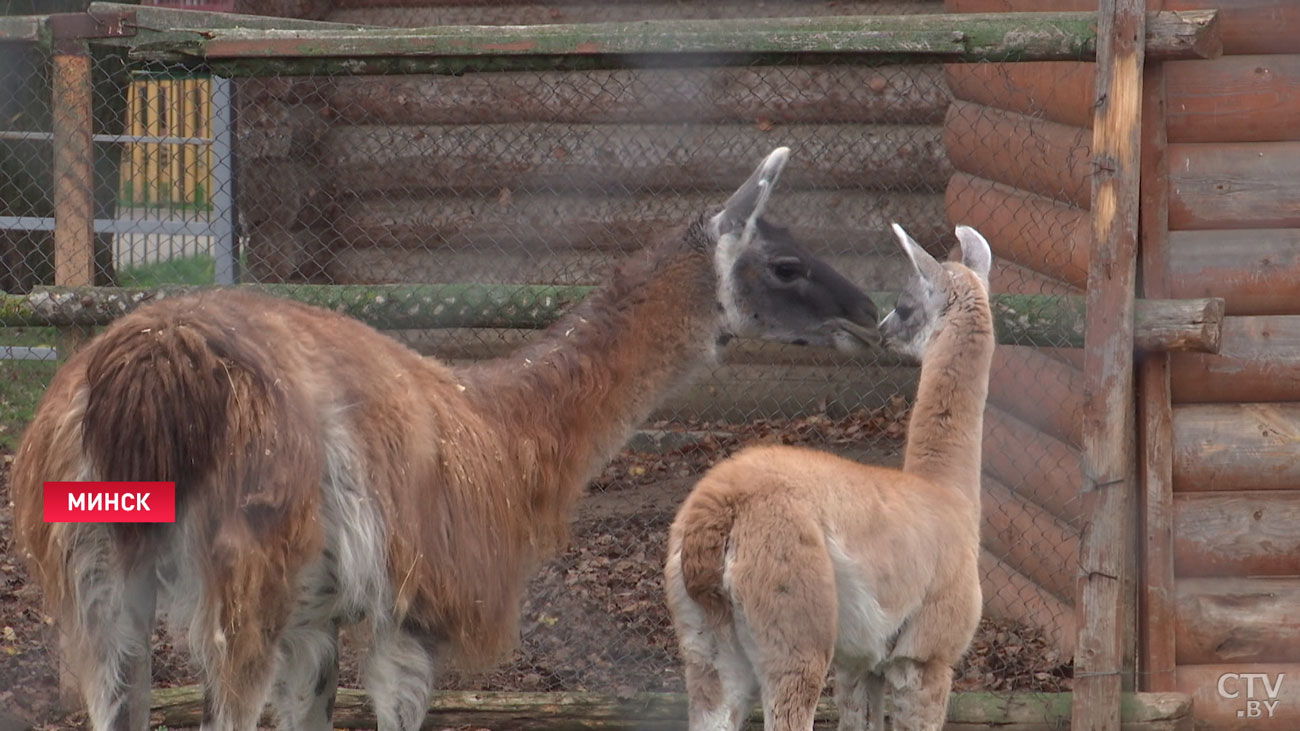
column 1232, row 684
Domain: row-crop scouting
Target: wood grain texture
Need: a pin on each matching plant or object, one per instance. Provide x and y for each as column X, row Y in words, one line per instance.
column 1251, row 26
column 1238, row 620
column 1255, row 271
column 1156, row 638
column 1213, row 711
column 1258, row 360
column 538, row 157
column 1234, row 185
column 754, row 95
column 1039, row 390
column 1035, row 465
column 1057, row 91
column 1036, row 232
column 1029, row 539
column 1230, row 447
column 1107, row 606
column 1034, row 155
column 1242, row 533
column 1234, row 99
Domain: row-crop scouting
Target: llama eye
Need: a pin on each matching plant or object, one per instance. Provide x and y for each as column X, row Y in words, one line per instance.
column 787, row 270
column 903, row 312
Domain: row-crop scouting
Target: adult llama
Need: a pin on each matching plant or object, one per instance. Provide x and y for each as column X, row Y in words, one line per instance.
column 326, row 474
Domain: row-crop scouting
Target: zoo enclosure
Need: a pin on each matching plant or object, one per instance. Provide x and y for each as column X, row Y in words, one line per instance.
column 302, row 224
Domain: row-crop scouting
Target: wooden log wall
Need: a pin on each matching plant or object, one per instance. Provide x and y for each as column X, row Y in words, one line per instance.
column 1018, row 137
column 551, row 177
column 1232, row 134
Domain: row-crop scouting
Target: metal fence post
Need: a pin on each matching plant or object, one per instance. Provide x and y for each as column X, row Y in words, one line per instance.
column 223, row 178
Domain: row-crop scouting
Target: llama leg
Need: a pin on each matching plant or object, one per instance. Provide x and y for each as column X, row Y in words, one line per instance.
column 920, row 692
column 860, row 699
column 308, row 664
column 720, row 684
column 108, row 645
column 399, row 678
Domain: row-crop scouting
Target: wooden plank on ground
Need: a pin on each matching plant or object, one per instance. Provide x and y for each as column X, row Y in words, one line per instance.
column 1238, row 620
column 1222, row 697
column 1241, row 533
column 1255, row 271
column 1236, row 446
column 1234, row 99
column 857, row 94
column 1258, row 360
column 1107, row 591
column 1053, row 90
column 1041, row 157
column 1234, row 185
column 180, row 707
column 540, row 157
column 1045, row 235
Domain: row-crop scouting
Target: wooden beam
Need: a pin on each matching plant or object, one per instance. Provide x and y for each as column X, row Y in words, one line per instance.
column 1251, row 26
column 1042, row 469
column 1228, row 709
column 530, row 157
column 979, row 37
column 1045, row 158
column 1234, row 99
column 1237, row 620
column 859, row 94
column 1225, row 185
column 1258, row 360
column 1039, row 390
column 1029, row 539
column 1107, row 586
column 505, row 711
column 1241, row 446
column 1241, row 533
column 1253, row 270
column 1034, row 231
column 1043, row 89
column 1156, row 611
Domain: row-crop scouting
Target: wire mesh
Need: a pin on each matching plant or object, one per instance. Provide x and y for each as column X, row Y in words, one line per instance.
column 545, row 178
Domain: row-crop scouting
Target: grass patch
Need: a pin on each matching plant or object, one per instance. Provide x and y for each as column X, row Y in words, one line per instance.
column 191, row 270
column 22, row 382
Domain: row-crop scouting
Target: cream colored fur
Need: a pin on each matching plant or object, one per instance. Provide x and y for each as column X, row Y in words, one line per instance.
column 784, row 562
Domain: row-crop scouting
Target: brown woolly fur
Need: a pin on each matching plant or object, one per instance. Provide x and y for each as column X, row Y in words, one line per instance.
column 327, row 474
column 784, row 561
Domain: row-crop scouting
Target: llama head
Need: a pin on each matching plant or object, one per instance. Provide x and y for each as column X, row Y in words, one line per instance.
column 932, row 289
column 771, row 287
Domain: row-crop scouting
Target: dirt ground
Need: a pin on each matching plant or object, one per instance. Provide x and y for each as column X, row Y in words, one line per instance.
column 594, row 618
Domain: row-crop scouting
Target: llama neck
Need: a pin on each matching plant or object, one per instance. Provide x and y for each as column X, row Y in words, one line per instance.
column 945, row 432
column 565, row 404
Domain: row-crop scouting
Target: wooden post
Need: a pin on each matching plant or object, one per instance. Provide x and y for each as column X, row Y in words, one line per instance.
column 1157, row 603
column 1106, row 583
column 74, row 190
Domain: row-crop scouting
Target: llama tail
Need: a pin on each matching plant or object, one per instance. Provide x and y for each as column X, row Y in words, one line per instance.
column 706, row 522
column 160, row 395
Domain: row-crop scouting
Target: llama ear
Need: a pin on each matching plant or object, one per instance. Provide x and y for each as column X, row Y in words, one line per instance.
column 975, row 251
column 746, row 204
column 927, row 266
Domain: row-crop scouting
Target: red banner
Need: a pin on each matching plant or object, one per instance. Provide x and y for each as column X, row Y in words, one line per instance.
column 110, row 502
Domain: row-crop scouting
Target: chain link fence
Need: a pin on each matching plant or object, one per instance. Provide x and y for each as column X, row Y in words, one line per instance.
column 520, row 179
